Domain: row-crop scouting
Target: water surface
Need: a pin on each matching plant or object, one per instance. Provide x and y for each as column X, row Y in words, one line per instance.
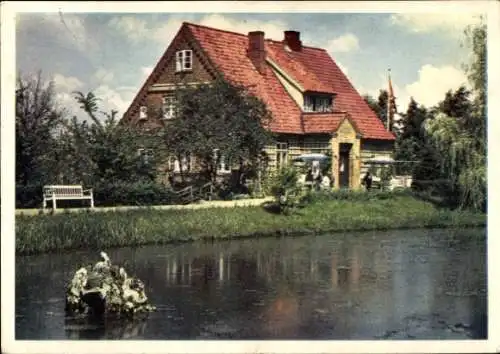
column 411, row 284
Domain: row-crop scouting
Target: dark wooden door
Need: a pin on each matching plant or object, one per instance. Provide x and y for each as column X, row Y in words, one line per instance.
column 344, row 165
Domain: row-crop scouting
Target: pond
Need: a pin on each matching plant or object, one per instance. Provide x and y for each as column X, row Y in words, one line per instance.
column 422, row 284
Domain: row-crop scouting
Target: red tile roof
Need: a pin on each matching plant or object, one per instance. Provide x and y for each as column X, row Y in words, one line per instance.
column 311, row 68
column 322, row 122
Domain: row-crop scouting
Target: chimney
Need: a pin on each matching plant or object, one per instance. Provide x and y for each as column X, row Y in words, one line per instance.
column 256, row 51
column 292, row 40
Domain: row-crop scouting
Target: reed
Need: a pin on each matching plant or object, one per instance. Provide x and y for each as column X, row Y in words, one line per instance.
column 88, row 230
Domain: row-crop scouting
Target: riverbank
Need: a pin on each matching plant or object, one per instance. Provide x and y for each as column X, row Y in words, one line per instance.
column 200, row 205
column 50, row 233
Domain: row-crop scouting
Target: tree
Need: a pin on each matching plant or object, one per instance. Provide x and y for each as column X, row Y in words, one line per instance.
column 215, row 121
column 379, row 105
column 413, row 144
column 111, row 151
column 460, row 135
column 37, row 119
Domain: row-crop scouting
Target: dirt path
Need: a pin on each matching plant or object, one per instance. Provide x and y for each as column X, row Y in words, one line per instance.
column 201, row 205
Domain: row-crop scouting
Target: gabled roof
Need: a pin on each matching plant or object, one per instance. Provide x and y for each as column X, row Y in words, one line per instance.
column 311, row 68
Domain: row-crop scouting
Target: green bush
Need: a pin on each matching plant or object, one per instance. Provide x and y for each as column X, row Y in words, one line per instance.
column 354, row 195
column 106, row 194
column 286, row 191
column 138, row 193
column 29, row 196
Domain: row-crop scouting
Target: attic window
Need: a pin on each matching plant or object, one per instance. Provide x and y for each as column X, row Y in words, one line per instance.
column 184, row 60
column 143, row 112
column 317, row 103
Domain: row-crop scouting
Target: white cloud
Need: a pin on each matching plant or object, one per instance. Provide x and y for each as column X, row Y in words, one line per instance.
column 103, row 76
column 433, row 82
column 134, row 28
column 344, row 69
column 273, row 30
column 164, row 33
column 146, row 70
column 66, row 83
column 451, row 23
column 428, row 90
column 345, row 43
column 114, row 99
column 64, row 88
column 70, row 30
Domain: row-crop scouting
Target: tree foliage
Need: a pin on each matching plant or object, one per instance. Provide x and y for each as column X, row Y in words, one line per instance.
column 37, row 120
column 459, row 129
column 379, row 105
column 218, row 120
column 110, row 151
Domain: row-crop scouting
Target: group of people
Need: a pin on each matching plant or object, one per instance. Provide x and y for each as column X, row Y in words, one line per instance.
column 316, row 180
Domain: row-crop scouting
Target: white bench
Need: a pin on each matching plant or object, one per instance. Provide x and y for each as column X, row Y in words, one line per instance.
column 59, row 192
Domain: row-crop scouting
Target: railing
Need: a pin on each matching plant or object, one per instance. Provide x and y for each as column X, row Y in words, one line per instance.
column 191, row 194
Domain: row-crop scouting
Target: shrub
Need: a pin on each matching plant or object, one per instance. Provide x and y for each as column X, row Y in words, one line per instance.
column 286, row 191
column 138, row 193
column 29, row 196
column 105, row 194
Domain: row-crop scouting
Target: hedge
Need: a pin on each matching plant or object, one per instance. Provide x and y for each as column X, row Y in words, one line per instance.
column 107, row 194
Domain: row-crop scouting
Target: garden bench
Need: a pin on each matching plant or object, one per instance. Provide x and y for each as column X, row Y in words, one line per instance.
column 61, row 192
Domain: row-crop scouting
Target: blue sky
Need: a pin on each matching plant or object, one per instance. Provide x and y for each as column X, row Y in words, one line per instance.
column 112, row 53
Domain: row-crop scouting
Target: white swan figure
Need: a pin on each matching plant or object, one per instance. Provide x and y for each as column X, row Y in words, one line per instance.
column 104, row 264
column 123, row 274
column 131, row 294
column 79, row 281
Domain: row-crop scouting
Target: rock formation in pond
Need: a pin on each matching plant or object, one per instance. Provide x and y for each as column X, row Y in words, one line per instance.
column 106, row 288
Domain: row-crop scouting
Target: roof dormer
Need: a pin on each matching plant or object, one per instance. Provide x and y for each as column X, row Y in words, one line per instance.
column 317, row 102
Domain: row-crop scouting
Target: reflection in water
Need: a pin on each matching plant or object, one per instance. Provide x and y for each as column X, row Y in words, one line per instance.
column 99, row 328
column 360, row 286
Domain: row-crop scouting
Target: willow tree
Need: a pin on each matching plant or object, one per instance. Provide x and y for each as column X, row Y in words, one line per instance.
column 462, row 140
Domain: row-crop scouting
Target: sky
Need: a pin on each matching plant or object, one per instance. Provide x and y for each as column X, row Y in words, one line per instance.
column 112, row 54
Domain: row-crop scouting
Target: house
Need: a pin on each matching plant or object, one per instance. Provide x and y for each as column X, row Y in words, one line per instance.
column 315, row 108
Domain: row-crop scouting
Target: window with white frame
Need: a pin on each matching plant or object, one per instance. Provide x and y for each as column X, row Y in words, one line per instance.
column 168, row 107
column 317, row 103
column 175, row 165
column 186, row 163
column 223, row 165
column 143, row 112
column 183, row 60
column 146, row 155
column 281, row 155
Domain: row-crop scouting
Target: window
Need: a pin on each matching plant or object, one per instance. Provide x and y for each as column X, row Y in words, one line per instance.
column 184, row 60
column 223, row 165
column 175, row 165
column 168, row 107
column 146, row 155
column 143, row 112
column 281, row 155
column 317, row 103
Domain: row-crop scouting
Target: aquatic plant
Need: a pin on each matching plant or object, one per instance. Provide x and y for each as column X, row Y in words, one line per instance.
column 105, row 288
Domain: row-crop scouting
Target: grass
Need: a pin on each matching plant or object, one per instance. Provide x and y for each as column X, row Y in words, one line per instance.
column 47, row 233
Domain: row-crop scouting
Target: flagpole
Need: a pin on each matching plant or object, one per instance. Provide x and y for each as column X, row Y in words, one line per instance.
column 390, row 99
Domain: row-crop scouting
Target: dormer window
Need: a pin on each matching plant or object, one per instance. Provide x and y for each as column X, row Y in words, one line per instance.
column 318, row 103
column 168, row 107
column 184, row 60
